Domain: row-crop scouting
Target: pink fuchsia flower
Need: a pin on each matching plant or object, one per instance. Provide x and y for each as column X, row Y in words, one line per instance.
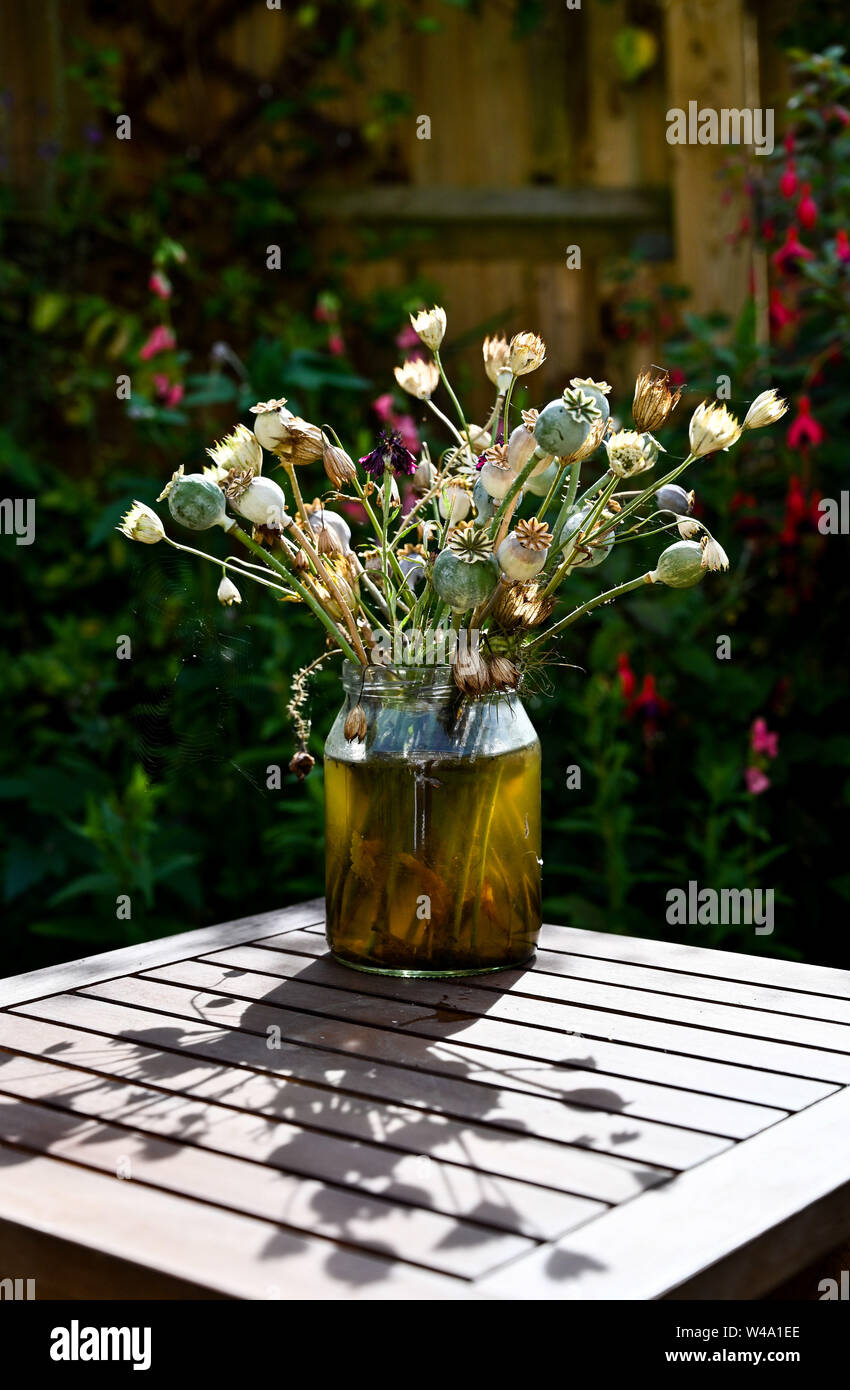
column 757, row 781
column 805, row 431
column 160, row 285
column 336, row 345
column 791, row 251
column 842, row 245
column 175, row 395
column 383, row 406
column 780, row 314
column 168, row 394
column 161, row 340
column 807, row 208
column 762, row 740
column 788, row 182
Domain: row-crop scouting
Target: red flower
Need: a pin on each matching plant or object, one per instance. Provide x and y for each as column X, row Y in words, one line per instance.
column 788, row 182
column 780, row 314
column 807, row 208
column 336, row 346
column 649, row 703
column 791, row 251
column 842, row 245
column 768, row 230
column 626, row 676
column 788, row 142
column 160, row 285
column 805, row 430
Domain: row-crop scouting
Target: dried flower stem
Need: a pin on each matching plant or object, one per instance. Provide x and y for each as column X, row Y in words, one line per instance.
column 324, row 573
column 455, row 402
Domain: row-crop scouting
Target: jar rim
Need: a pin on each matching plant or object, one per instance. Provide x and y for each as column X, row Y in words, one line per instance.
column 383, row 680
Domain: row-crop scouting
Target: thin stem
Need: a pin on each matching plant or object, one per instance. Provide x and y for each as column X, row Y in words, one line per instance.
column 547, row 501
column 324, row 573
column 588, row 607
column 321, row 613
column 445, row 419
column 455, row 402
column 585, row 529
column 296, row 492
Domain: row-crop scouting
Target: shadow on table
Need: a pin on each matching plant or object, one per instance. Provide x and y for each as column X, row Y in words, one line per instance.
column 386, row 1128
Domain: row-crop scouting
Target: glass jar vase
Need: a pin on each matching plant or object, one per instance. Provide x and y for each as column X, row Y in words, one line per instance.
column 432, row 827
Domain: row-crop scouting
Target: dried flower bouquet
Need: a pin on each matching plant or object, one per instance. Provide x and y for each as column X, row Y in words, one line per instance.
column 472, row 564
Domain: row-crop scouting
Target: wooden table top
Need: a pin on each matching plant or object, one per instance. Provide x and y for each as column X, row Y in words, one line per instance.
column 231, row 1113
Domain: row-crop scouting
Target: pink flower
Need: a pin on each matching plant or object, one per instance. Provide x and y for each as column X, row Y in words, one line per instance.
column 168, row 394
column 336, row 346
column 406, row 426
column 762, row 740
column 383, row 407
column 757, row 781
column 175, row 395
column 160, row 285
column 807, row 208
column 408, row 338
column 842, row 245
column 161, row 340
column 780, row 314
column 788, row 182
column 805, row 430
column 791, row 251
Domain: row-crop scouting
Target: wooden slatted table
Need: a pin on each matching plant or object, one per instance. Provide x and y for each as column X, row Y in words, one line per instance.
column 231, row 1113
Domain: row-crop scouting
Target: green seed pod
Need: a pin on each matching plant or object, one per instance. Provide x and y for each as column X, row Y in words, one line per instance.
column 559, row 431
column 593, row 555
column 197, row 502
column 540, row 483
column 463, row 586
column 679, row 566
column 483, row 503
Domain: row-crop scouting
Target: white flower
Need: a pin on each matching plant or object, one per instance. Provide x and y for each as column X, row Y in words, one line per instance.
column 766, row 409
column 688, row 528
column 527, row 352
column 418, row 378
column 495, row 352
column 140, row 523
column 714, row 557
column 228, row 594
column 430, row 324
column 712, row 427
column 628, row 453
column 241, row 450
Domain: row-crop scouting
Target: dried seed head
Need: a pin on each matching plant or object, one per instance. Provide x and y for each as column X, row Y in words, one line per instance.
column 653, row 400
column 504, row 673
column 521, row 606
column 338, row 465
column 470, row 671
column 355, row 724
column 469, row 542
column 527, row 352
column 302, row 764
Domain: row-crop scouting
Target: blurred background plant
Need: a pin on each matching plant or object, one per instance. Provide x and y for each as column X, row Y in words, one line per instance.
column 135, row 330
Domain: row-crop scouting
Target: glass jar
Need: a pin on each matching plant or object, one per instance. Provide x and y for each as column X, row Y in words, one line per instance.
column 432, row 827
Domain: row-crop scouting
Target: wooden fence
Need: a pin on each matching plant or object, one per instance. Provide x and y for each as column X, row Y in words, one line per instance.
column 535, row 145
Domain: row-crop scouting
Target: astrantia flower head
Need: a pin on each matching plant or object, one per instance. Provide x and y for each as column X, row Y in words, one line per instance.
column 418, row 377
column 766, row 409
column 527, row 352
column 389, row 452
column 430, row 325
column 239, row 450
column 469, row 543
column 141, row 523
column 628, row 454
column 653, row 400
column 712, row 427
column 496, row 353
